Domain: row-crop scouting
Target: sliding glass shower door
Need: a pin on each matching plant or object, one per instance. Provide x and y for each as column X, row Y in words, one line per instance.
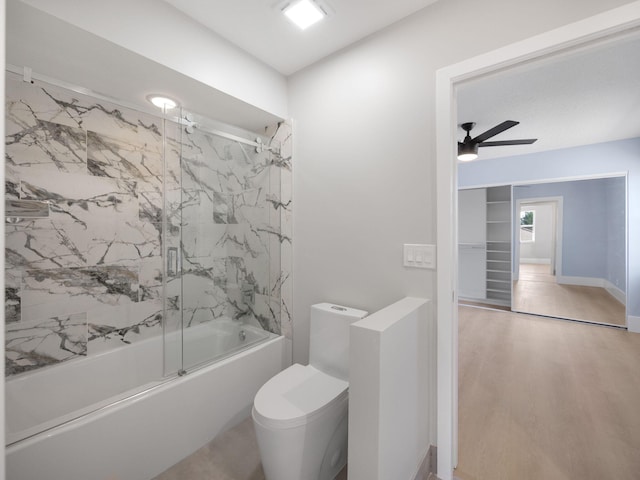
column 138, row 243
column 222, row 248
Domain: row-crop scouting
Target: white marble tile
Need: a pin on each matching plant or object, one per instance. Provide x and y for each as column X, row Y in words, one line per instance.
column 249, row 206
column 113, row 326
column 266, row 311
column 114, row 158
column 46, row 243
column 284, row 162
column 197, row 206
column 202, row 240
column 200, row 167
column 12, row 300
column 81, row 198
column 228, row 212
column 151, row 204
column 46, row 147
column 11, row 182
column 40, row 101
column 204, row 294
column 40, row 343
column 27, row 103
column 150, row 278
column 63, row 291
column 112, row 241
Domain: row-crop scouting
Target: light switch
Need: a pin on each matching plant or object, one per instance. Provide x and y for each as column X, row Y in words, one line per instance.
column 419, row 255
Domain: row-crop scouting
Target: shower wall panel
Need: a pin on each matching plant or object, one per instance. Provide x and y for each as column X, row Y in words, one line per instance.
column 281, row 202
column 231, row 231
column 89, row 276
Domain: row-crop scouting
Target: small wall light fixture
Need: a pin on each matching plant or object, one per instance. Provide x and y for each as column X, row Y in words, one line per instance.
column 304, row 13
column 162, row 102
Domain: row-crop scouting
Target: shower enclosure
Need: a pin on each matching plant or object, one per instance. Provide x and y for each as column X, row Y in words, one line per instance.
column 139, row 246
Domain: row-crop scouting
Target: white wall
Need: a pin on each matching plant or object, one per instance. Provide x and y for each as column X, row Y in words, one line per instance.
column 390, row 392
column 364, row 180
column 472, row 238
column 158, row 31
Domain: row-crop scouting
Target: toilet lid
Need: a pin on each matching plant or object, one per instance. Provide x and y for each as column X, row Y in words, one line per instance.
column 296, row 395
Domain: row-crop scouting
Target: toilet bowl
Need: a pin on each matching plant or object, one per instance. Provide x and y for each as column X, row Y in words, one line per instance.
column 301, row 414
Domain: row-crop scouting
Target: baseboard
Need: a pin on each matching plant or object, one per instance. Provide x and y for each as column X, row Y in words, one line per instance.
column 580, row 281
column 489, row 302
column 633, row 324
column 428, row 465
column 615, row 292
column 536, row 261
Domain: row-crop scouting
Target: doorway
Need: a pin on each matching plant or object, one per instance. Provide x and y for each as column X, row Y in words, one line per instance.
column 580, row 33
column 538, row 246
column 537, row 237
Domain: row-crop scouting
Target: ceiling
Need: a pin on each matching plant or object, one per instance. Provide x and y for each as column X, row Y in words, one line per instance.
column 64, row 52
column 259, row 27
column 589, row 95
column 585, row 96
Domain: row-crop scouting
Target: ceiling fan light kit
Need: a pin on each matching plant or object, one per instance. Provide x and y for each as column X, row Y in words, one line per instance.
column 467, row 152
column 468, row 148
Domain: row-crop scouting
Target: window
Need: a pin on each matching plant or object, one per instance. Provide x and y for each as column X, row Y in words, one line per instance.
column 527, row 226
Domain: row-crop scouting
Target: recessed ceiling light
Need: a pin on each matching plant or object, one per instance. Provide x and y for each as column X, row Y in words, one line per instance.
column 160, row 101
column 303, row 13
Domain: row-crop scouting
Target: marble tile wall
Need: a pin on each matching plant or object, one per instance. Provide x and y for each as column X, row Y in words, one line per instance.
column 89, row 277
column 282, row 210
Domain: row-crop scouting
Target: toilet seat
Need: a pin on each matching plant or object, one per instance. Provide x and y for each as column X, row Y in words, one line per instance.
column 296, row 396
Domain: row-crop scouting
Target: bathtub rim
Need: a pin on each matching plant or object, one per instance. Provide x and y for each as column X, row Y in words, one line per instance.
column 119, row 401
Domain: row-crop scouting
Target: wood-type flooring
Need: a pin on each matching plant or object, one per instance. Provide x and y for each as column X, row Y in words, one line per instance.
column 546, row 399
column 536, row 291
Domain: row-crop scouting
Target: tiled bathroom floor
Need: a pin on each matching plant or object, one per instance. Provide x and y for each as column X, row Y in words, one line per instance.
column 231, row 456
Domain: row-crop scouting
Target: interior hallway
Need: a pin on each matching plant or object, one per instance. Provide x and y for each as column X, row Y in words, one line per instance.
column 536, row 291
column 546, row 399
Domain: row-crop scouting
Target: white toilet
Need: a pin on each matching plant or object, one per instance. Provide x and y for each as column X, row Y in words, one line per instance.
column 300, row 415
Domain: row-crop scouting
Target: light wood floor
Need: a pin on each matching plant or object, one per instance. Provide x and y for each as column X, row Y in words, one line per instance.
column 234, row 455
column 546, row 399
column 536, row 291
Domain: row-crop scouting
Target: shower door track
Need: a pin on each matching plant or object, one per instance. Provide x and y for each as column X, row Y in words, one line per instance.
column 28, row 76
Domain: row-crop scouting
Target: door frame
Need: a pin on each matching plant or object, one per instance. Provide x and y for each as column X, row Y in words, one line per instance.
column 557, row 231
column 569, row 36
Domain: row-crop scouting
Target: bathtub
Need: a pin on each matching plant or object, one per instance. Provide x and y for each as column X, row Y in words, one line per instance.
column 133, row 423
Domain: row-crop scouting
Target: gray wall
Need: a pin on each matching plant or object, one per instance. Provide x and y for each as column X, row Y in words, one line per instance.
column 616, row 239
column 593, row 225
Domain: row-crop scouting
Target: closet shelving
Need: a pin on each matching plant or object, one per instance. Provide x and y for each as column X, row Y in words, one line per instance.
column 498, row 221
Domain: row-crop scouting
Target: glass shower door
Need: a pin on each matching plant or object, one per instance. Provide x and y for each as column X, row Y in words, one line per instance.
column 171, row 218
column 227, row 249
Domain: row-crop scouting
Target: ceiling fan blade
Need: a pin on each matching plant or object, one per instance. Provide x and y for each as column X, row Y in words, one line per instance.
column 506, row 125
column 524, row 141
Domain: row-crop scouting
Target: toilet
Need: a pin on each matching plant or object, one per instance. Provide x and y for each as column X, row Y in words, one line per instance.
column 300, row 415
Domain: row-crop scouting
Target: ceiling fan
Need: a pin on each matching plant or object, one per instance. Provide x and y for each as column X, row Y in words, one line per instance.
column 468, row 148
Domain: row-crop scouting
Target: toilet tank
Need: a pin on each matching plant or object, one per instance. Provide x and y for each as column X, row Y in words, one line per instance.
column 329, row 338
